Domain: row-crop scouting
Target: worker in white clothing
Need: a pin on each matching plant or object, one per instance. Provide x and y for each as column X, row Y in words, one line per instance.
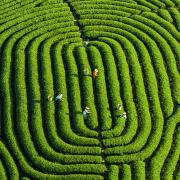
column 86, row 112
column 119, row 107
column 59, row 97
column 124, row 115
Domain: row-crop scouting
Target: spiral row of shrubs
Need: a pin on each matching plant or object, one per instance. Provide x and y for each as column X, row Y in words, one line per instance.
column 135, row 46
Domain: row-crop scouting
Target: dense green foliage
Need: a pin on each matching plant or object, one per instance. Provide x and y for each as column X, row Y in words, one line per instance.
column 45, row 48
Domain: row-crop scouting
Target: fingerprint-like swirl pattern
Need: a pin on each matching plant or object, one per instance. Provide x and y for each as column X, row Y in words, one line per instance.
column 45, row 45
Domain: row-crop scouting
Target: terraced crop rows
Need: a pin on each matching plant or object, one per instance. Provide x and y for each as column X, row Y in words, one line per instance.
column 135, row 44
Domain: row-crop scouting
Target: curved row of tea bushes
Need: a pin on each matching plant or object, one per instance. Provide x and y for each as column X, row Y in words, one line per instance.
column 141, row 100
column 169, row 59
column 105, row 12
column 8, row 168
column 3, row 174
column 127, row 94
column 172, row 41
column 150, row 76
column 57, row 143
column 111, row 4
column 112, row 85
column 145, row 130
column 155, row 4
column 74, row 71
column 165, row 90
column 125, row 172
column 113, row 172
column 17, row 14
column 138, row 170
column 158, row 158
column 147, row 150
column 99, row 84
column 104, row 6
column 86, row 85
column 18, row 6
column 73, row 94
column 137, row 54
column 176, row 18
column 165, row 14
column 21, row 114
column 19, row 90
column 135, row 170
column 173, row 157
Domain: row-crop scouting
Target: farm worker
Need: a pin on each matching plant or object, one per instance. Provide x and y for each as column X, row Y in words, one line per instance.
column 119, row 107
column 86, row 112
column 86, row 43
column 50, row 98
column 124, row 115
column 59, row 97
column 95, row 73
column 86, row 71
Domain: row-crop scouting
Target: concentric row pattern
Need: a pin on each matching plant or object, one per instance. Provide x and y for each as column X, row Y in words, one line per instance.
column 135, row 45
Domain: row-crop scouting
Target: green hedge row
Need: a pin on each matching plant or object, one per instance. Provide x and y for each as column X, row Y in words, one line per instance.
column 63, row 121
column 111, row 4
column 138, row 170
column 164, row 28
column 125, row 85
column 107, row 6
column 163, row 80
column 24, row 10
column 176, row 18
column 38, row 16
column 144, row 119
column 104, row 1
column 172, row 161
column 157, row 3
column 3, row 173
column 113, row 172
column 158, row 158
column 173, row 158
column 113, row 88
column 73, row 86
column 142, row 104
column 14, row 6
column 147, row 4
column 101, row 16
column 52, row 2
column 158, row 130
column 10, row 170
column 168, row 3
column 105, row 12
column 165, row 15
column 100, row 91
column 149, row 75
column 22, row 116
column 160, row 37
column 86, row 84
column 125, row 172
column 154, row 138
column 18, row 108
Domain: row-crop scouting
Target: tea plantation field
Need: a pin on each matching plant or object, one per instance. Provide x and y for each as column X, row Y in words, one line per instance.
column 45, row 47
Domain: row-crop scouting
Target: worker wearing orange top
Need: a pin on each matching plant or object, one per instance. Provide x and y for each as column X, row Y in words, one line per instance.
column 95, row 73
